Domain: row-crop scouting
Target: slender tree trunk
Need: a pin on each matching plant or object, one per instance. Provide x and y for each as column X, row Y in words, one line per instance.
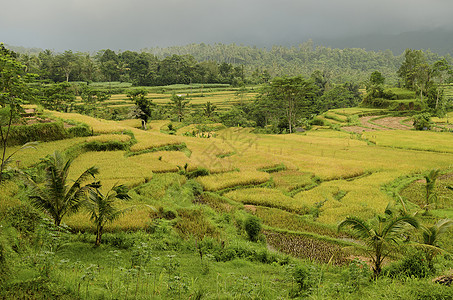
column 99, row 235
column 4, row 139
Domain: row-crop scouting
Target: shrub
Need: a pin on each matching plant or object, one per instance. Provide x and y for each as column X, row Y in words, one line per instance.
column 197, row 173
column 23, row 217
column 413, row 265
column 79, row 130
column 304, row 280
column 422, row 121
column 253, row 227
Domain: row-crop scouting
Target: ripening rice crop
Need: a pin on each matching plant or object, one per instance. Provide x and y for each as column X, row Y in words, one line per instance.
column 114, row 167
column 266, row 197
column 417, row 140
column 148, row 140
column 152, row 162
column 97, row 125
column 289, row 180
column 29, row 157
column 278, row 218
column 134, row 123
column 136, row 217
column 103, row 138
column 222, row 181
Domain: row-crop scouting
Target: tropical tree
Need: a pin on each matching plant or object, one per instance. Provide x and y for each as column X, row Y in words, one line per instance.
column 291, row 95
column 178, row 104
column 56, row 196
column 13, row 91
column 209, row 109
column 430, row 235
column 381, row 235
column 143, row 106
column 430, row 194
column 101, row 207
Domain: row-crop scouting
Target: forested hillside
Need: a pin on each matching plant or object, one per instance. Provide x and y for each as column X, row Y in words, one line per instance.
column 215, row 63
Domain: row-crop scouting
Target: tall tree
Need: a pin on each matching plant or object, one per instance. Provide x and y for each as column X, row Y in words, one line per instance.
column 410, row 67
column 178, row 105
column 13, row 91
column 143, row 105
column 56, row 196
column 293, row 95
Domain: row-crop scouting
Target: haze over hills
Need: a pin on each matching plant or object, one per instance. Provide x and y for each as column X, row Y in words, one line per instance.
column 439, row 41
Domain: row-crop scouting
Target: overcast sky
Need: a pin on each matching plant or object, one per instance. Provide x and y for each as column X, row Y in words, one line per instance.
column 89, row 25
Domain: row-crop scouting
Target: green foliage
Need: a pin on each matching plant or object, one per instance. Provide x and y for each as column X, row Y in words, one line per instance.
column 380, row 235
column 414, row 264
column 304, row 280
column 23, row 217
column 102, row 209
column 422, row 121
column 197, row 173
column 252, row 226
column 56, row 197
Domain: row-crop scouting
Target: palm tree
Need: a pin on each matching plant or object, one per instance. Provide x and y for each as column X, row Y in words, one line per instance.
column 102, row 209
column 178, row 105
column 381, row 235
column 56, row 196
column 209, row 109
column 431, row 238
column 430, row 195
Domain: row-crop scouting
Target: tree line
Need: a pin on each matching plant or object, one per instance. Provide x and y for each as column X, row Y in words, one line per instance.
column 217, row 63
column 138, row 68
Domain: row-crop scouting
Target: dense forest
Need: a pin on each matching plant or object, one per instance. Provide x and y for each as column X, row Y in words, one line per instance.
column 216, row 63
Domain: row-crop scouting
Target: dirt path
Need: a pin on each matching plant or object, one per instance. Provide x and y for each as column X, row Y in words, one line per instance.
column 393, row 123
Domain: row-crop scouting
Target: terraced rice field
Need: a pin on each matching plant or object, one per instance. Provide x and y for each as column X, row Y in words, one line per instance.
column 332, row 173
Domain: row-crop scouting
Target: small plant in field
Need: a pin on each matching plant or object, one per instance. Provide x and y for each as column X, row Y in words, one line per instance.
column 380, row 234
column 359, row 273
column 101, row 207
column 253, row 227
column 56, row 196
column 430, row 195
column 303, row 278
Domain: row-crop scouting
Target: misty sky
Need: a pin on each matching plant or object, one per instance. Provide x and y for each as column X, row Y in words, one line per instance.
column 89, row 25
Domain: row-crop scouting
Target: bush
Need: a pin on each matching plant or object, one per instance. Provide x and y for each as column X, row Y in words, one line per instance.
column 422, row 121
column 304, row 280
column 197, row 173
column 79, row 130
column 413, row 265
column 253, row 227
column 44, row 132
column 23, row 217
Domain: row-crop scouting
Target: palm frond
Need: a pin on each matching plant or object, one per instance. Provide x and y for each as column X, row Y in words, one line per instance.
column 359, row 226
column 398, row 225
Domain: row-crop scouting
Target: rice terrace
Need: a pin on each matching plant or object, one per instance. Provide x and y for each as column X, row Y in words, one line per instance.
column 247, row 185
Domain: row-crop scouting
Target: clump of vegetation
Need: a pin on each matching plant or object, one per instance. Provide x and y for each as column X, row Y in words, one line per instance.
column 422, row 121
column 252, row 226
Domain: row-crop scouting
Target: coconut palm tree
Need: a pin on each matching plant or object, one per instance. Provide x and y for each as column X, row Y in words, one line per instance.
column 56, row 195
column 101, row 207
column 430, row 195
column 431, row 235
column 381, row 235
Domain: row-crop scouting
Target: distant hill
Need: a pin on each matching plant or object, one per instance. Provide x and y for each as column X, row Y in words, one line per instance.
column 438, row 41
